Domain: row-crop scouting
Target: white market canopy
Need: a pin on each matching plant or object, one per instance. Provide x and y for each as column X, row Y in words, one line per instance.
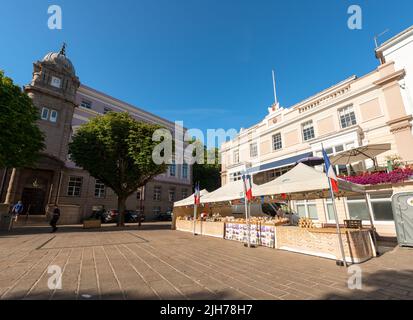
column 190, row 200
column 303, row 179
column 230, row 191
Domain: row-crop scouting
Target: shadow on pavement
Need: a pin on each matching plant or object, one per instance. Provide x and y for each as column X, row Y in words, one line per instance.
column 33, row 230
column 381, row 285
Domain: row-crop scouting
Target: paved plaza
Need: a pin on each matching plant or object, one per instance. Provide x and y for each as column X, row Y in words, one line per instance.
column 154, row 262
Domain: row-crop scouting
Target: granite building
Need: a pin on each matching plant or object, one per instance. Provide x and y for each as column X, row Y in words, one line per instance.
column 64, row 104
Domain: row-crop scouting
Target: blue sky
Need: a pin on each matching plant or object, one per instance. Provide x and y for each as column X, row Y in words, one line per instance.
column 206, row 62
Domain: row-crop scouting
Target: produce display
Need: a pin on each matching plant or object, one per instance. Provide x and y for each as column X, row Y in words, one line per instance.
column 306, row 223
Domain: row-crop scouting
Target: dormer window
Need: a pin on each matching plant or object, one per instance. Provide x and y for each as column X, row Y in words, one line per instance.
column 56, row 82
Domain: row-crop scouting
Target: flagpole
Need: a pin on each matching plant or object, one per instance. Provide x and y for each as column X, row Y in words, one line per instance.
column 340, row 239
column 275, row 88
column 195, row 207
column 246, row 211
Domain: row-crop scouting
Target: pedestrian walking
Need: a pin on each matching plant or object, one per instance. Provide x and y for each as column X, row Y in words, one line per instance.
column 55, row 218
column 17, row 210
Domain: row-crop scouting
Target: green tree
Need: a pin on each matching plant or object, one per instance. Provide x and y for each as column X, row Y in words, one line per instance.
column 117, row 150
column 20, row 137
column 209, row 173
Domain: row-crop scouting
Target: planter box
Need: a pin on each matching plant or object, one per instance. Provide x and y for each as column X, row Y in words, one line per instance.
column 92, row 224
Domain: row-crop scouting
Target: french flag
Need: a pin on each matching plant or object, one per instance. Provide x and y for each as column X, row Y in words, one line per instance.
column 197, row 195
column 330, row 172
column 248, row 186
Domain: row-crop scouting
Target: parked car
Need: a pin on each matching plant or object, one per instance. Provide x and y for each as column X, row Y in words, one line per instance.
column 167, row 216
column 111, row 216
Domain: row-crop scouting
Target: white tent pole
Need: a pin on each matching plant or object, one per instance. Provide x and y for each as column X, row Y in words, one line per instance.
column 370, row 208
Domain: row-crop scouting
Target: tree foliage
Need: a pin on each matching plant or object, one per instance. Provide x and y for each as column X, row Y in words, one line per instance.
column 208, row 174
column 20, row 137
column 117, row 150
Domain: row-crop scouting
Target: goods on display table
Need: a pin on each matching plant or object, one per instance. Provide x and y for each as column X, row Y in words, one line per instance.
column 262, row 230
column 306, row 223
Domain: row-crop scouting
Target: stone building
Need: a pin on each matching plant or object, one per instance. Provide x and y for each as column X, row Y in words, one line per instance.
column 64, row 104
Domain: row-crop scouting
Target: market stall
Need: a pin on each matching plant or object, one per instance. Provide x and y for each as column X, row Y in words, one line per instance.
column 303, row 183
column 300, row 183
column 184, row 207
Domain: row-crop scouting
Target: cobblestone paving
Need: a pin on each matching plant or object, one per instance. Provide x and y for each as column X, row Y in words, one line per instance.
column 153, row 262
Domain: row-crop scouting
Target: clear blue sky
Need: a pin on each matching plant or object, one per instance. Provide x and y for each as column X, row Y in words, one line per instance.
column 206, row 62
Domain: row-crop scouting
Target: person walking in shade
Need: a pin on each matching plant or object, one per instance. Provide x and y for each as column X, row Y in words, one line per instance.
column 17, row 210
column 55, row 218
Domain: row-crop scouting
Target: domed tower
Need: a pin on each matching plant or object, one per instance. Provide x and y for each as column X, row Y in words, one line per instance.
column 53, row 91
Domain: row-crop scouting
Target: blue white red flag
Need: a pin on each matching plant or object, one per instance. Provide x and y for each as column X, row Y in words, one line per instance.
column 330, row 172
column 197, row 195
column 247, row 186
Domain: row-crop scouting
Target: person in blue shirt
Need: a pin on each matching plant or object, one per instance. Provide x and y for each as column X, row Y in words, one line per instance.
column 17, row 210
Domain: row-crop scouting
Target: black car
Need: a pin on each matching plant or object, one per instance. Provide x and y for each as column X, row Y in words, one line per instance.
column 111, row 216
column 167, row 216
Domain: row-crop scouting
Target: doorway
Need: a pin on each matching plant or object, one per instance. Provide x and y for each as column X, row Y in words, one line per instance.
column 34, row 201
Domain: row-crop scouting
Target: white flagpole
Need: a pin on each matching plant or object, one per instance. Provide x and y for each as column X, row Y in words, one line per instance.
column 195, row 209
column 340, row 239
column 275, row 88
column 246, row 210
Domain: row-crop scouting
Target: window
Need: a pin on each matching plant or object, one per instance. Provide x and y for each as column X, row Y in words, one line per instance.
column 347, row 117
column 357, row 209
column 236, row 156
column 330, row 211
column 53, row 116
column 172, row 169
column 171, row 195
column 45, row 114
column 277, row 142
column 184, row 193
column 86, row 104
column 381, row 205
column 106, row 110
column 235, row 176
column 253, row 150
column 74, row 186
column 307, row 209
column 308, row 130
column 157, row 193
column 139, row 195
column 185, row 171
column 100, row 189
